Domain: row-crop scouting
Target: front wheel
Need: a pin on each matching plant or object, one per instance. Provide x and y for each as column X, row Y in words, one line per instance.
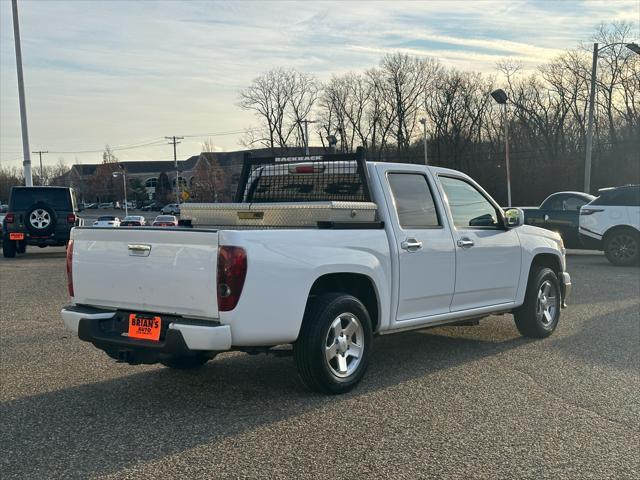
column 333, row 348
column 539, row 314
column 21, row 246
column 621, row 247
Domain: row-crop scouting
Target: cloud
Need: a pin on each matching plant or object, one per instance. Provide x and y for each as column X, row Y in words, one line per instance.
column 115, row 72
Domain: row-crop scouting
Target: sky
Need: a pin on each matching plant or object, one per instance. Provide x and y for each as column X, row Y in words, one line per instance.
column 128, row 73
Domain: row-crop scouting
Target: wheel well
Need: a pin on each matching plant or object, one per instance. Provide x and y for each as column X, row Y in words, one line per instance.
column 548, row 260
column 619, row 228
column 356, row 284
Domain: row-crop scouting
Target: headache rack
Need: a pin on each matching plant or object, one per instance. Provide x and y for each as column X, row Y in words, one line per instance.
column 319, row 191
column 332, row 177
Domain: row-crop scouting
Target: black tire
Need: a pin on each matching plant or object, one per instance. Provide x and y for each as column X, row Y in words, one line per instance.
column 44, row 213
column 186, row 363
column 622, row 247
column 8, row 247
column 21, row 247
column 530, row 319
column 309, row 351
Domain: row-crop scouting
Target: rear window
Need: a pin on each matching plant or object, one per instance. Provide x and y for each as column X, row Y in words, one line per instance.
column 621, row 197
column 106, row 219
column 168, row 218
column 58, row 198
column 309, row 181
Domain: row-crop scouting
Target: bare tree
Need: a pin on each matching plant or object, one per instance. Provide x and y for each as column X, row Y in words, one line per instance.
column 280, row 99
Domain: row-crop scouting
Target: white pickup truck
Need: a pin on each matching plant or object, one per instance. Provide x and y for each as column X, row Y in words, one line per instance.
column 439, row 251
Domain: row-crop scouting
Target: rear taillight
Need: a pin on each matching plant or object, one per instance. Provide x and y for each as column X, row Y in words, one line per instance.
column 9, row 218
column 232, row 270
column 590, row 211
column 71, row 218
column 70, row 267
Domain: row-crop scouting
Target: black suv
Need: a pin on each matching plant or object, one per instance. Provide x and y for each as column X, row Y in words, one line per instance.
column 42, row 216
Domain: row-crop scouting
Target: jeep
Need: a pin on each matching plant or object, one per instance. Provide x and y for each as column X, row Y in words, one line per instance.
column 41, row 216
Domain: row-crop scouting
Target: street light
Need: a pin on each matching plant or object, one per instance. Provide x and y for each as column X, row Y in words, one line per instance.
column 124, row 184
column 423, row 121
column 500, row 96
column 634, row 47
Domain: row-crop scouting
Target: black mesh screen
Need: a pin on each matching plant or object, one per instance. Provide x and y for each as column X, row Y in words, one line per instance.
column 304, row 179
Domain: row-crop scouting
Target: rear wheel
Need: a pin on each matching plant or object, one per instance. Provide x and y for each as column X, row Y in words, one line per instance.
column 333, row 348
column 186, row 363
column 622, row 247
column 8, row 247
column 539, row 314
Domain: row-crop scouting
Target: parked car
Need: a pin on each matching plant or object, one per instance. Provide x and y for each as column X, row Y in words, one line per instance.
column 40, row 216
column 413, row 247
column 4, row 208
column 560, row 212
column 91, row 206
column 171, row 209
column 611, row 223
column 152, row 207
column 106, row 206
column 165, row 221
column 107, row 221
column 133, row 221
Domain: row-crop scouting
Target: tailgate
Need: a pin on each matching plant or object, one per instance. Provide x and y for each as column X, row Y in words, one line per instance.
column 147, row 270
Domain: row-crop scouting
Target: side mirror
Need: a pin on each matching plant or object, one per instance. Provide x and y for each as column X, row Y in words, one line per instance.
column 513, row 217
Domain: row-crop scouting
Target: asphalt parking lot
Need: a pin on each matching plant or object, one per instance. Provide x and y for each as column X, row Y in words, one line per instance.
column 455, row 402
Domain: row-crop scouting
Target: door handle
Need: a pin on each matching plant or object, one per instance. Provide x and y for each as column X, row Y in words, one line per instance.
column 411, row 245
column 546, row 217
column 465, row 243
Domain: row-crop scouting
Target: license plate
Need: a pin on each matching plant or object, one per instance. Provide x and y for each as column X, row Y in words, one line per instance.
column 16, row 236
column 144, row 327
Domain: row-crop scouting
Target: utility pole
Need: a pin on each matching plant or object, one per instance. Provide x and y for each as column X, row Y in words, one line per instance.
column 306, row 134
column 28, row 179
column 40, row 152
column 174, row 140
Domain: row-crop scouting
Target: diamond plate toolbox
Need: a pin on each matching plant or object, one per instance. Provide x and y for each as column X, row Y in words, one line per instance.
column 278, row 215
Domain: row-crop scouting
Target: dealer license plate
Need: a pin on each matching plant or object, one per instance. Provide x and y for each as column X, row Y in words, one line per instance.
column 144, row 327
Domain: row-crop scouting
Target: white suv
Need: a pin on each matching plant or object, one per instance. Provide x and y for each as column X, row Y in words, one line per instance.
column 611, row 223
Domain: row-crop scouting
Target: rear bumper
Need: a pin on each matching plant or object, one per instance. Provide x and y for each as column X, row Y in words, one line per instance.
column 54, row 239
column 181, row 337
column 565, row 287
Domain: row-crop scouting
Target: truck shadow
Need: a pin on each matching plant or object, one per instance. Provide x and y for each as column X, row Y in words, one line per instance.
column 104, row 427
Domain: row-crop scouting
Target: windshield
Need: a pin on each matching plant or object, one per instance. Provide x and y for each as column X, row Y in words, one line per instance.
column 24, row 198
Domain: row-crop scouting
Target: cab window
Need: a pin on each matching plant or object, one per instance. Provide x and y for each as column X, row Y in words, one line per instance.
column 469, row 208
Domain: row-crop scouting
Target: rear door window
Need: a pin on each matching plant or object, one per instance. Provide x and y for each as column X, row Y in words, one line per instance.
column 620, row 197
column 413, row 200
column 23, row 198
